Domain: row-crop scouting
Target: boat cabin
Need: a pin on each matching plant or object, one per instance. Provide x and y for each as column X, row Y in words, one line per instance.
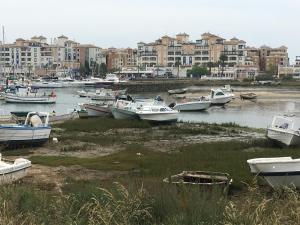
column 216, row 93
column 286, row 122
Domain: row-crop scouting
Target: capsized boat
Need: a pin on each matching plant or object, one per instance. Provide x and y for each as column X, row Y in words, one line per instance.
column 248, row 96
column 13, row 170
column 201, row 104
column 285, row 129
column 35, row 130
column 280, row 171
column 219, row 97
column 29, row 95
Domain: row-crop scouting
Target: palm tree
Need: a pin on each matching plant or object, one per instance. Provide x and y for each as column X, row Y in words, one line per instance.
column 223, row 58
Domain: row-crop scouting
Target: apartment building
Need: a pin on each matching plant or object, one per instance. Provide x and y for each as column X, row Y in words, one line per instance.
column 267, row 58
column 116, row 59
column 168, row 51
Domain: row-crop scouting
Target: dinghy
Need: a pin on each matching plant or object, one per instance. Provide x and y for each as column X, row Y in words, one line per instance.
column 13, row 170
column 248, row 96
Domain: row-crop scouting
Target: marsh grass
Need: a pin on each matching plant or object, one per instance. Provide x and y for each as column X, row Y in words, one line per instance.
column 229, row 157
column 101, row 124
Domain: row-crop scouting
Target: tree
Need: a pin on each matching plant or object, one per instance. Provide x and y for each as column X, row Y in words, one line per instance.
column 210, row 65
column 197, row 71
column 223, row 58
column 102, row 69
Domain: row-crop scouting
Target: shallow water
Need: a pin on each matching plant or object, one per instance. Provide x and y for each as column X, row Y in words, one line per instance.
column 257, row 114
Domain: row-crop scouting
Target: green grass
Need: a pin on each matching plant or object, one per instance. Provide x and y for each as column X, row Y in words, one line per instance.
column 229, row 157
column 101, row 124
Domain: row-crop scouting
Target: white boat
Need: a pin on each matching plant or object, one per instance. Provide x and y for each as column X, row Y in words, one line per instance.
column 63, row 117
column 11, row 171
column 157, row 113
column 281, row 171
column 103, row 95
column 219, row 97
column 95, row 109
column 285, row 129
column 35, row 130
column 227, row 88
column 124, row 109
column 46, row 84
column 201, row 104
column 28, row 95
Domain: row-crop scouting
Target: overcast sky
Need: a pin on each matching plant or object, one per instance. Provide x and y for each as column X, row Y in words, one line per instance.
column 123, row 23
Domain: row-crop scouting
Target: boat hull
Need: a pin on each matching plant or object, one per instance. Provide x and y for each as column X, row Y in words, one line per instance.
column 193, row 106
column 30, row 100
column 120, row 114
column 220, row 101
column 24, row 135
column 94, row 110
column 13, row 173
column 286, row 138
column 277, row 174
column 159, row 117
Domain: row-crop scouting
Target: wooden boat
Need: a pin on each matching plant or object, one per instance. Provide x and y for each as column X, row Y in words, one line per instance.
column 63, row 117
column 201, row 179
column 95, row 109
column 248, row 96
column 33, row 131
column 177, row 91
column 13, row 170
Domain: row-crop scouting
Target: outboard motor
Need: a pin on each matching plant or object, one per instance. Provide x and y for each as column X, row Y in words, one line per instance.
column 158, row 98
column 172, row 105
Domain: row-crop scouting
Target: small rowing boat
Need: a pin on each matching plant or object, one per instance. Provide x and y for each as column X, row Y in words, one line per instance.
column 248, row 96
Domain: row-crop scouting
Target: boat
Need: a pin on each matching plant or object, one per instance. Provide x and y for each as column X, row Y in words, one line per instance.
column 218, row 97
column 11, row 171
column 201, row 104
column 82, row 94
column 157, row 113
column 124, row 109
column 29, row 95
column 278, row 172
column 201, row 179
column 63, row 117
column 226, row 88
column 177, row 91
column 248, row 96
column 103, row 95
column 96, row 109
column 285, row 130
column 47, row 84
column 35, row 130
